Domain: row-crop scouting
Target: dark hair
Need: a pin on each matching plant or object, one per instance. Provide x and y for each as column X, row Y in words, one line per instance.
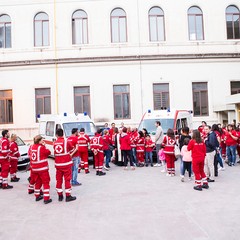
column 116, row 130
column 158, row 122
column 74, row 130
column 185, row 130
column 4, row 133
column 170, row 133
column 124, row 129
column 146, row 131
column 215, row 127
column 147, row 135
column 197, row 136
column 186, row 141
column 99, row 131
column 141, row 134
column 204, row 122
column 82, row 130
column 59, row 132
column 209, row 127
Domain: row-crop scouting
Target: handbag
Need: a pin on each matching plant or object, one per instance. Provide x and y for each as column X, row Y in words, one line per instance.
column 177, row 151
column 111, row 147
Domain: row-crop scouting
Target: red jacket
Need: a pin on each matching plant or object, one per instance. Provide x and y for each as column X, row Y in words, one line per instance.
column 14, row 153
column 229, row 140
column 125, row 142
column 149, row 145
column 39, row 154
column 134, row 137
column 96, row 143
column 83, row 141
column 74, row 142
column 140, row 144
column 198, row 150
column 4, row 148
column 62, row 148
column 106, row 142
column 168, row 145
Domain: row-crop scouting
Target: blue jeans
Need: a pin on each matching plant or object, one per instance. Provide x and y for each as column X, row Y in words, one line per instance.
column 76, row 161
column 107, row 154
column 134, row 153
column 181, row 165
column 148, row 156
column 231, row 154
column 219, row 158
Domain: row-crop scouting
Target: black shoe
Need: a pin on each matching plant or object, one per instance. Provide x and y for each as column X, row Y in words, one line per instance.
column 29, row 179
column 30, row 192
column 101, row 173
column 146, row 165
column 15, row 179
column 7, row 187
column 87, row 172
column 70, row 198
column 0, row 185
column 97, row 172
column 60, row 198
column 39, row 198
column 151, row 165
column 210, row 180
column 199, row 188
column 205, row 185
column 47, row 201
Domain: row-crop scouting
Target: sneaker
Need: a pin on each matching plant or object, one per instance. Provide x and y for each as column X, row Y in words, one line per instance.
column 163, row 171
column 146, row 165
column 151, row 165
column 157, row 165
column 199, row 188
column 101, row 173
column 221, row 169
column 15, row 179
column 76, row 184
column 60, row 198
column 86, row 172
column 190, row 179
column 47, row 201
column 182, row 178
column 70, row 198
column 132, row 168
column 7, row 187
column 125, row 168
column 168, row 175
column 210, row 180
column 205, row 185
column 97, row 172
column 39, row 198
column 106, row 168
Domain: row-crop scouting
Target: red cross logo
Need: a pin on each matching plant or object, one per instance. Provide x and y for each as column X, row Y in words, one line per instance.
column 34, row 156
column 58, row 149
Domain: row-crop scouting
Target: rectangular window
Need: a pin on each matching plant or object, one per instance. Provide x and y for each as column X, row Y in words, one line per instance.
column 161, row 96
column 82, row 100
column 43, row 101
column 235, row 87
column 121, row 96
column 200, row 99
column 6, row 107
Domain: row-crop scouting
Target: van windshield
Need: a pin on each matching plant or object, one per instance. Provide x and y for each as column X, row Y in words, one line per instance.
column 149, row 124
column 88, row 126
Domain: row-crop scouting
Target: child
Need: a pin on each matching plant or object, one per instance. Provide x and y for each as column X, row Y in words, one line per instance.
column 187, row 159
column 161, row 156
column 140, row 148
column 149, row 145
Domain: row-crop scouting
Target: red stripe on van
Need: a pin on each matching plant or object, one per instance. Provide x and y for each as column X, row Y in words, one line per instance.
column 48, row 142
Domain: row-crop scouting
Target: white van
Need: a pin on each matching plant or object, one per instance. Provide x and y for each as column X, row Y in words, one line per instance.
column 175, row 119
column 49, row 123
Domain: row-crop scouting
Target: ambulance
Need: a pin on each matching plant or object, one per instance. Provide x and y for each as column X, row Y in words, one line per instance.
column 49, row 123
column 175, row 119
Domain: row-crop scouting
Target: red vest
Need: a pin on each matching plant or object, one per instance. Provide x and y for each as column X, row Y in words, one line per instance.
column 83, row 141
column 4, row 148
column 97, row 143
column 168, row 144
column 14, row 153
column 140, row 145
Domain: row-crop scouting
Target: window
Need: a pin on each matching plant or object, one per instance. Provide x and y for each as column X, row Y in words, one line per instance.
column 156, row 24
column 41, row 30
column 161, row 96
column 5, row 32
column 6, row 107
column 233, row 22
column 200, row 99
column 50, row 128
column 82, row 100
column 195, row 24
column 43, row 101
column 79, row 27
column 121, row 96
column 235, row 87
column 118, row 26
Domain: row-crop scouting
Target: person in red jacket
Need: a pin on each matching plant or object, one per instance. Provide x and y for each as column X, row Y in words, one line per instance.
column 140, row 149
column 13, row 156
column 83, row 142
column 96, row 145
column 63, row 164
column 125, row 146
column 40, row 170
column 198, row 148
column 168, row 145
column 149, row 145
column 107, row 142
column 4, row 160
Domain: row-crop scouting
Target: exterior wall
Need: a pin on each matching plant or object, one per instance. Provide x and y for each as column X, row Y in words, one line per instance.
column 176, row 61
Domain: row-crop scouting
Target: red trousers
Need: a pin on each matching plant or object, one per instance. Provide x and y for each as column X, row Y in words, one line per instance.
column 198, row 169
column 13, row 167
column 84, row 161
column 40, row 179
column 65, row 173
column 99, row 159
column 170, row 161
column 4, row 164
column 140, row 157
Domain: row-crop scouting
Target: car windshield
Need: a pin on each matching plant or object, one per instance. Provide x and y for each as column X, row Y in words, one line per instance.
column 149, row 124
column 88, row 126
column 20, row 142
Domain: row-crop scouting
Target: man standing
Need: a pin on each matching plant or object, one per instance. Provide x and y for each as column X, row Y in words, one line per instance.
column 63, row 164
column 4, row 160
column 73, row 139
column 83, row 141
column 158, row 140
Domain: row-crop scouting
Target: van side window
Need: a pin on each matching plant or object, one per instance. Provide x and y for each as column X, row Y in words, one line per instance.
column 50, row 128
column 184, row 122
column 178, row 125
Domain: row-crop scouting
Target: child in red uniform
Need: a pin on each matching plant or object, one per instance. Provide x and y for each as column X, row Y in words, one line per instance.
column 140, row 148
column 149, row 145
column 198, row 148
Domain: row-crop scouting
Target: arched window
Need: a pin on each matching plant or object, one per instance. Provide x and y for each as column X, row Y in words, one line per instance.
column 156, row 24
column 233, row 22
column 5, row 31
column 41, row 30
column 118, row 25
column 79, row 27
column 195, row 23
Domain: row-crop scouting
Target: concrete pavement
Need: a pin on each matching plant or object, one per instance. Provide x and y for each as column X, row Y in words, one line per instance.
column 143, row 204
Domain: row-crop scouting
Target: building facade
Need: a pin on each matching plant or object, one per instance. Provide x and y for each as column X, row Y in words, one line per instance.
column 116, row 59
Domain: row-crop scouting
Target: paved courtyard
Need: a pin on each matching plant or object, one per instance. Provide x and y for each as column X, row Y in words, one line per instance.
column 143, row 204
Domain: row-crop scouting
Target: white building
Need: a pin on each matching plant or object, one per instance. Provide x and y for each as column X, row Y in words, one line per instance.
column 116, row 59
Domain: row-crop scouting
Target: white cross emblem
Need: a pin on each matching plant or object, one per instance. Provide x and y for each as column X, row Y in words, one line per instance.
column 58, row 149
column 34, row 156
